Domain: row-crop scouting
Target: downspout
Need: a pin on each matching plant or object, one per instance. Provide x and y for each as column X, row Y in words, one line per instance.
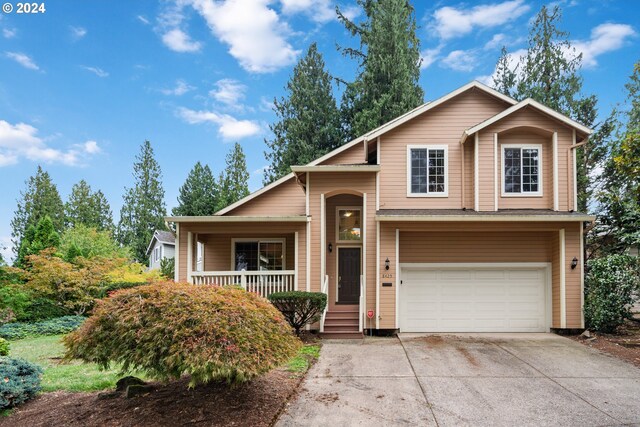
column 575, row 173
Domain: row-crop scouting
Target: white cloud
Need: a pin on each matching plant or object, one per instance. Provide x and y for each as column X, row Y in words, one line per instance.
column 142, row 19
column 97, row 71
column 351, row 12
column 180, row 88
column 260, row 171
column 320, row 11
column 498, row 40
column 461, row 60
column 9, row 33
column 604, row 38
column 256, row 36
column 229, row 127
column 429, row 56
column 451, row 22
column 22, row 141
column 77, row 32
column 514, row 59
column 266, row 105
column 228, row 92
column 179, row 41
column 23, row 59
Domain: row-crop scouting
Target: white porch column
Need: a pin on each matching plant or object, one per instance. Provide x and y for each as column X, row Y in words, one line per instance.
column 364, row 250
column 563, row 286
column 297, row 255
column 496, row 172
column 323, row 237
column 556, row 202
column 476, row 173
column 189, row 257
column 176, row 266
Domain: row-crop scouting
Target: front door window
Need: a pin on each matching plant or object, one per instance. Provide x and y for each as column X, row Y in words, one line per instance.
column 349, row 225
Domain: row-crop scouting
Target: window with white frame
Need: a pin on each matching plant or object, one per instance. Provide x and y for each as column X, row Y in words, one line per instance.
column 522, row 170
column 156, row 254
column 427, row 170
column 250, row 255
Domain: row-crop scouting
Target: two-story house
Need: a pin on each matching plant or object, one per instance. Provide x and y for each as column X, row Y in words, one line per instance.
column 458, row 216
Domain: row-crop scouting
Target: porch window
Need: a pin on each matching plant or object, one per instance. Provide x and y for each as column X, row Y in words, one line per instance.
column 259, row 255
column 349, row 225
column 522, row 166
column 427, row 171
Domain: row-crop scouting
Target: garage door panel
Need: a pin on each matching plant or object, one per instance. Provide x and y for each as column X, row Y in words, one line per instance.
column 473, row 299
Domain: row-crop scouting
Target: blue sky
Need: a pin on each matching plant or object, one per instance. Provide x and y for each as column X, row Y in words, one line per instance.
column 83, row 84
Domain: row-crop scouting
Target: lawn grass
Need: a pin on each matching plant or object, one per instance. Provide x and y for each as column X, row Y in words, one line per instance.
column 59, row 375
column 305, row 357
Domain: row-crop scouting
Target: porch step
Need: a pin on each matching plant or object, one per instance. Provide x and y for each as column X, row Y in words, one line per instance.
column 342, row 335
column 344, row 307
column 341, row 328
column 341, row 322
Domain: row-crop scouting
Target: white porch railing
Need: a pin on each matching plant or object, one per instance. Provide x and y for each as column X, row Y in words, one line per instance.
column 261, row 282
column 361, row 312
column 325, row 290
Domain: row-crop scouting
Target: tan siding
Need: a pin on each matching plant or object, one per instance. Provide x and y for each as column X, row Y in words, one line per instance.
column 441, row 126
column 572, row 277
column 388, row 294
column 285, row 199
column 351, row 155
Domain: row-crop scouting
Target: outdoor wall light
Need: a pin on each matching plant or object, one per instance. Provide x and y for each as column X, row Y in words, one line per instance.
column 386, row 264
column 574, row 263
column 330, row 248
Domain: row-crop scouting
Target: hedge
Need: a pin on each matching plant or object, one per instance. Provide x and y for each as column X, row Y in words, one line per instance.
column 298, row 307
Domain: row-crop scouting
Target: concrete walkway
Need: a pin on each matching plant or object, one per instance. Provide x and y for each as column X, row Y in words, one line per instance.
column 470, row 379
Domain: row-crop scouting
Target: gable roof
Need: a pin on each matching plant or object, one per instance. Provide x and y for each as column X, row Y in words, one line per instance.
column 392, row 124
column 529, row 102
column 165, row 237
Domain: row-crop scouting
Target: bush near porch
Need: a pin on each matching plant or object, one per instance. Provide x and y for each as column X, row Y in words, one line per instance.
column 167, row 330
column 298, row 307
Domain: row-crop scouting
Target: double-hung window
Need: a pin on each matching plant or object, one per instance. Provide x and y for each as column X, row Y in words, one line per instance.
column 258, row 255
column 427, row 170
column 522, row 170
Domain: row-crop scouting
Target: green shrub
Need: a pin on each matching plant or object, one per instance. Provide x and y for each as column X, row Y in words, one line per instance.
column 168, row 268
column 4, row 347
column 170, row 329
column 108, row 288
column 609, row 288
column 20, row 381
column 58, row 325
column 14, row 303
column 299, row 308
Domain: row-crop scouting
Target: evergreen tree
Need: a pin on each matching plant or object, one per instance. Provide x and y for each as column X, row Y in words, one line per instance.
column 38, row 238
column 143, row 208
column 308, row 123
column 88, row 208
column 233, row 183
column 386, row 85
column 41, row 198
column 549, row 73
column 197, row 195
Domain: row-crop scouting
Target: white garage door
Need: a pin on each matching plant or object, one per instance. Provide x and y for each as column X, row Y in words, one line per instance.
column 458, row 298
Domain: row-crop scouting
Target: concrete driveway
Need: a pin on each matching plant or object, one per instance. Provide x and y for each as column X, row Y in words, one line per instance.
column 470, row 379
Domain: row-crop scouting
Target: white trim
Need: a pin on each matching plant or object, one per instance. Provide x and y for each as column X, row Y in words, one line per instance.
column 308, row 187
column 575, row 175
column 189, row 256
column 308, row 263
column 255, row 194
column 522, row 193
column 364, row 247
column 176, row 273
column 483, row 218
column 398, row 278
column 527, row 102
column 378, row 174
column 476, row 174
column 377, row 275
column 336, row 168
column 428, row 147
column 431, row 105
column 563, row 285
column 337, row 271
column 555, row 171
column 231, row 218
column 259, row 240
column 296, row 251
column 496, row 172
column 337, row 224
column 489, row 265
column 581, row 267
column 323, row 238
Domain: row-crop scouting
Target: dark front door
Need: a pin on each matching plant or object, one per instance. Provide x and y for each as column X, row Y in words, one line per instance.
column 348, row 275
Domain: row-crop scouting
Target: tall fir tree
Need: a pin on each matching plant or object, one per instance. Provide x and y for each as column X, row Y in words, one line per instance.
column 36, row 239
column 386, row 85
column 549, row 73
column 88, row 208
column 198, row 194
column 233, row 183
column 308, row 120
column 143, row 208
column 40, row 199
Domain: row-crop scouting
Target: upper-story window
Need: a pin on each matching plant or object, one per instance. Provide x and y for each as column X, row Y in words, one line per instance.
column 522, row 170
column 427, row 171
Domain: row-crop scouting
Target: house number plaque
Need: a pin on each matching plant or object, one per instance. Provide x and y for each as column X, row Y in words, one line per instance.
column 387, row 275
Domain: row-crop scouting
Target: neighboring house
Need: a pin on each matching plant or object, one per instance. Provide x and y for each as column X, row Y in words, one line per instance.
column 162, row 245
column 455, row 217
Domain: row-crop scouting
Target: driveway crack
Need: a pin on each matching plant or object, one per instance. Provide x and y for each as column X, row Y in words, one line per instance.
column 424, row 393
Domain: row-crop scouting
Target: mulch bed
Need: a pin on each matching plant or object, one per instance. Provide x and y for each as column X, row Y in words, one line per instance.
column 257, row 403
column 624, row 345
